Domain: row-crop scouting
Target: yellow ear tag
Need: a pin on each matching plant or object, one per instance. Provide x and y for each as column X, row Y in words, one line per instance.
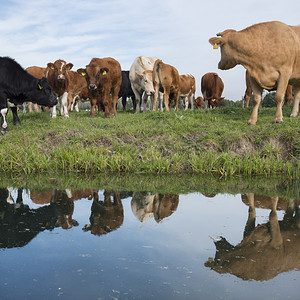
column 215, row 46
column 83, row 74
column 52, row 68
column 40, row 87
column 104, row 73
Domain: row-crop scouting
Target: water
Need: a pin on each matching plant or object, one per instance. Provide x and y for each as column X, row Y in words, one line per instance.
column 107, row 244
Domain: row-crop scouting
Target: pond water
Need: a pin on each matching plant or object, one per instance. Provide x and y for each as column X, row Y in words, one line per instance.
column 109, row 244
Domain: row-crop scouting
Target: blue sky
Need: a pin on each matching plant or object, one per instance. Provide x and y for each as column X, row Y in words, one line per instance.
column 177, row 31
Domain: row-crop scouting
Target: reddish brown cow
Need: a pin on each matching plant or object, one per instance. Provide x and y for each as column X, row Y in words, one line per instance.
column 212, row 88
column 39, row 73
column 198, row 102
column 59, row 80
column 288, row 98
column 77, row 88
column 166, row 80
column 103, row 76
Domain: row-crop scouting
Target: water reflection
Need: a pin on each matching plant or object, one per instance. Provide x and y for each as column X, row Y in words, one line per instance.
column 146, row 205
column 266, row 249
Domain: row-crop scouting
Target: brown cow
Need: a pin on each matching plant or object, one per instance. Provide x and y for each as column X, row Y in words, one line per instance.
column 104, row 77
column 106, row 215
column 59, row 80
column 187, row 86
column 266, row 249
column 270, row 52
column 166, row 80
column 212, row 88
column 39, row 73
column 288, row 98
column 77, row 88
column 198, row 102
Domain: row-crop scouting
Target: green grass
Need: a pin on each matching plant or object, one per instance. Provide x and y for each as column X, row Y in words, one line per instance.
column 217, row 141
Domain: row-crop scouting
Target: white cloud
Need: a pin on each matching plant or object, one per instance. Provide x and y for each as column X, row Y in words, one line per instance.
column 37, row 32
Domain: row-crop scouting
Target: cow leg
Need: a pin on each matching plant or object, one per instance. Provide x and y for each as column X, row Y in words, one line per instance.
column 250, row 224
column 124, row 98
column 16, row 119
column 64, row 105
column 133, row 102
column 93, row 107
column 145, row 100
column 295, row 110
column 70, row 102
column 138, row 96
column 3, row 120
column 176, row 101
column 166, row 99
column 276, row 238
column 257, row 92
column 53, row 112
column 75, row 103
column 155, row 97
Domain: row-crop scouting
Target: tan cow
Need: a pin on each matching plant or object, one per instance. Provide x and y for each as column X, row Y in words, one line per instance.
column 270, row 52
column 266, row 249
column 288, row 98
column 104, row 78
column 39, row 73
column 187, row 85
column 58, row 78
column 166, row 80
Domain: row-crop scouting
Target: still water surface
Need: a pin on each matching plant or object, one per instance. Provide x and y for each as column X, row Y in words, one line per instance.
column 100, row 244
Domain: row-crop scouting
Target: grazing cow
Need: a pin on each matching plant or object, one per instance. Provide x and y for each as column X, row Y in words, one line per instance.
column 187, row 86
column 212, row 88
column 58, row 77
column 77, row 89
column 104, row 78
column 19, row 86
column 270, row 52
column 266, row 249
column 140, row 76
column 198, row 102
column 37, row 72
column 288, row 98
column 106, row 215
column 166, row 80
column 126, row 90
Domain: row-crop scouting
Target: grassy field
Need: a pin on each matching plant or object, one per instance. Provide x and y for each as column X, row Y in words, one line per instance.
column 217, row 141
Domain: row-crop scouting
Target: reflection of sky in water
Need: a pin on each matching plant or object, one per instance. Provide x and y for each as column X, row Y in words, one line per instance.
column 147, row 260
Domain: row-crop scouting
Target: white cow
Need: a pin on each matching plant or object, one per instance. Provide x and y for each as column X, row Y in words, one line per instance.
column 140, row 76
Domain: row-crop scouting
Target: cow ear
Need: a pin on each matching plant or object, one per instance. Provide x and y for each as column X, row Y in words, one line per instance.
column 221, row 34
column 104, row 71
column 69, row 66
column 50, row 66
column 81, row 72
column 215, row 41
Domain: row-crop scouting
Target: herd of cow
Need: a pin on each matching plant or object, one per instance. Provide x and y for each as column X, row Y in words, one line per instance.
column 102, row 82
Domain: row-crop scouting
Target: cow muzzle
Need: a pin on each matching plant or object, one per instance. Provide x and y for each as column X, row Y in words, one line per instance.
column 61, row 77
column 92, row 87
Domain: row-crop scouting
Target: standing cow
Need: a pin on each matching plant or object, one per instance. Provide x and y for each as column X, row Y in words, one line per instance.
column 140, row 76
column 212, row 88
column 104, row 77
column 166, row 80
column 19, row 86
column 59, row 80
column 187, row 86
column 270, row 52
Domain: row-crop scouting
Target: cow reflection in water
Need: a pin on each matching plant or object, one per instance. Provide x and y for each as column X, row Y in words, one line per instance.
column 106, row 215
column 19, row 223
column 267, row 249
column 145, row 205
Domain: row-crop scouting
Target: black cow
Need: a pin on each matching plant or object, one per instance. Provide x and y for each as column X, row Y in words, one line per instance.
column 19, row 86
column 126, row 90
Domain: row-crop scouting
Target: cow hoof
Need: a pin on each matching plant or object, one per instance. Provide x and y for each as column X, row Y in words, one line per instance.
column 293, row 115
column 17, row 123
column 278, row 122
column 3, row 131
column 250, row 124
column 66, row 116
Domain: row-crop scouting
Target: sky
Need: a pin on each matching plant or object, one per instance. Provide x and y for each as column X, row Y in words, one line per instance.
column 176, row 31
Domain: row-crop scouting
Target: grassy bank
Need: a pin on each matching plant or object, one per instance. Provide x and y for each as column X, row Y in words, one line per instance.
column 215, row 141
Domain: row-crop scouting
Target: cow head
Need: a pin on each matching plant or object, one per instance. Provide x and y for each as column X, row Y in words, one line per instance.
column 60, row 68
column 42, row 93
column 228, row 60
column 146, row 81
column 94, row 75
